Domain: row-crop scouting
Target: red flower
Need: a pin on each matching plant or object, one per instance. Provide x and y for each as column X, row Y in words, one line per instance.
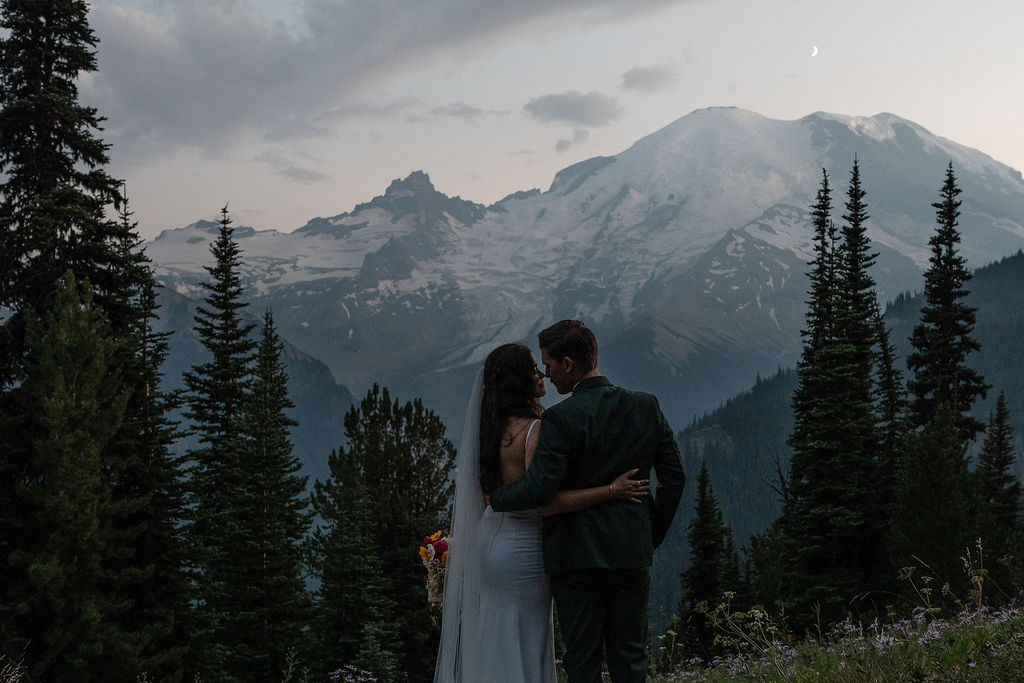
column 440, row 546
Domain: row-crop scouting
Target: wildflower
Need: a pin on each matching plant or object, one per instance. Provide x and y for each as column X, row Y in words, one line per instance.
column 932, row 633
column 885, row 640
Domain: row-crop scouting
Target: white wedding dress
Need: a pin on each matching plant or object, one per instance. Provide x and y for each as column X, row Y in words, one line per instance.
column 515, row 599
column 496, row 623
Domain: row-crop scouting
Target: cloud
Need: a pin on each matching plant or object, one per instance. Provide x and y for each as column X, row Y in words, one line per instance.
column 201, row 73
column 579, row 136
column 397, row 108
column 459, row 110
column 287, row 168
column 649, row 78
column 576, row 108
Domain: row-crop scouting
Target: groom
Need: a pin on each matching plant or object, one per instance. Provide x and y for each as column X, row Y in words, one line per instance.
column 599, row 559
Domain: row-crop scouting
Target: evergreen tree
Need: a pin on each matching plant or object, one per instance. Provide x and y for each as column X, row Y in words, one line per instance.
column 405, row 461
column 267, row 524
column 856, row 321
column 931, row 518
column 944, row 337
column 217, row 391
column 54, row 202
column 375, row 654
column 714, row 567
column 766, row 572
column 823, row 294
column 70, row 403
column 833, row 514
column 891, row 400
column 55, row 193
column 351, row 598
column 146, row 555
column 999, row 491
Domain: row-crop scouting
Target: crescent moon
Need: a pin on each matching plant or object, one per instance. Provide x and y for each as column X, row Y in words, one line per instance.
column 814, row 50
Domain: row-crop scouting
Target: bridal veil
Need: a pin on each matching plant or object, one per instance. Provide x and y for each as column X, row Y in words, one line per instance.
column 458, row 658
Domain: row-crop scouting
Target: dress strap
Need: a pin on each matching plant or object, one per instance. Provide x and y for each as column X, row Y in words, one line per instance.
column 530, row 431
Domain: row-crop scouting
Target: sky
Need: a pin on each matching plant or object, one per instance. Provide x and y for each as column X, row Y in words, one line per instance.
column 286, row 110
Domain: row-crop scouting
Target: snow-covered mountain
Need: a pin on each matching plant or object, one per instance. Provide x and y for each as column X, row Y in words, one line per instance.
column 686, row 253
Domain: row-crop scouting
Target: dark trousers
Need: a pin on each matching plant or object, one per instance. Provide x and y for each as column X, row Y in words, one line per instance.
column 603, row 612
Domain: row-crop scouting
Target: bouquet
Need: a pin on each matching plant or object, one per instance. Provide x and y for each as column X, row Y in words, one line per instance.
column 434, row 553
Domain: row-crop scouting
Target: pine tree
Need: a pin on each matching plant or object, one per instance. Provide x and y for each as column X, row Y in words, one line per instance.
column 146, row 554
column 217, row 391
column 405, row 462
column 375, row 654
column 351, row 598
column 931, row 517
column 891, row 401
column 54, row 201
column 812, row 405
column 55, row 192
column 833, row 512
column 999, row 495
column 822, row 303
column 944, row 337
column 765, row 574
column 713, row 566
column 856, row 318
column 267, row 524
column 71, row 403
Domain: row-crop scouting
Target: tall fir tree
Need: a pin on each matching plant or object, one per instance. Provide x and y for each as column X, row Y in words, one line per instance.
column 811, row 403
column 54, row 201
column 268, row 521
column 822, row 276
column 945, row 336
column 862, row 344
column 856, row 327
column 217, row 391
column 405, row 461
column 146, row 548
column 714, row 567
column 71, row 403
column 55, row 191
column 833, row 512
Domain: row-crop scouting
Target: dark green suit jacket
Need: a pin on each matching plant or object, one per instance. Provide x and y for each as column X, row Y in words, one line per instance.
column 594, row 435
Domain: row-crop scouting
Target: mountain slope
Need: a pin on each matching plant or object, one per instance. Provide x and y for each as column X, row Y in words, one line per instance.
column 685, row 254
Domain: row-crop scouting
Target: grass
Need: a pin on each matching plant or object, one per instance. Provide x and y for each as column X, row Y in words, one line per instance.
column 10, row 672
column 975, row 645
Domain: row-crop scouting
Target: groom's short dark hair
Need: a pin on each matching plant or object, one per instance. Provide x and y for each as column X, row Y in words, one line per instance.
column 573, row 339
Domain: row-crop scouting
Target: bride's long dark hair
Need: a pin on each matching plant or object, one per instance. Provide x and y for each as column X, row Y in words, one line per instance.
column 509, row 387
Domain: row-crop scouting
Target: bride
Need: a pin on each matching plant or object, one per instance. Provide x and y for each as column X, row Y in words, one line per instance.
column 496, row 621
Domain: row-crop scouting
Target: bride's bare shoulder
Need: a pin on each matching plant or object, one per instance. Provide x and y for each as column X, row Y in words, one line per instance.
column 515, row 428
